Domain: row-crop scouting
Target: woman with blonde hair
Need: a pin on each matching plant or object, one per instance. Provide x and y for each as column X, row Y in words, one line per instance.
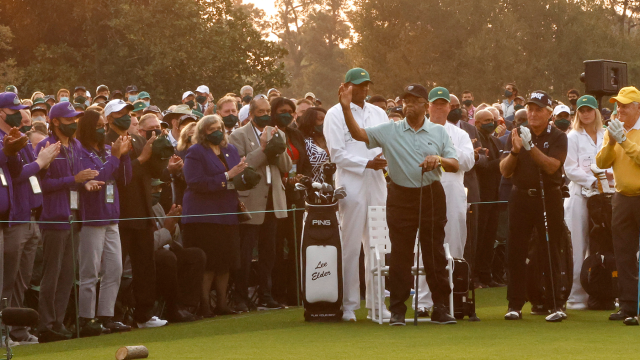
column 584, row 142
column 186, row 139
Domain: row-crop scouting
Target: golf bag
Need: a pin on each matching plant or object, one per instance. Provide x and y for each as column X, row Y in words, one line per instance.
column 321, row 255
column 598, row 276
column 463, row 305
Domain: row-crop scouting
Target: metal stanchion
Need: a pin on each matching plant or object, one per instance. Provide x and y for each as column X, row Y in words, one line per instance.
column 295, row 246
column 75, row 268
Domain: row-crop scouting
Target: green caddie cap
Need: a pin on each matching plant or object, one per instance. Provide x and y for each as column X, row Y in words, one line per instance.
column 439, row 93
column 587, row 100
column 143, row 95
column 139, row 105
column 357, row 76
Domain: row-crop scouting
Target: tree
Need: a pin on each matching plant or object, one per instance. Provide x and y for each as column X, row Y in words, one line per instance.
column 9, row 74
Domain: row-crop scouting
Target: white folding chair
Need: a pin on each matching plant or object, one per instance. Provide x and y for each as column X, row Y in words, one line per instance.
column 379, row 246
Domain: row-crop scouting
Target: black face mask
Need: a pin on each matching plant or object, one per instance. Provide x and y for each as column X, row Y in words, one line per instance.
column 190, row 104
column 24, row 129
column 100, row 135
column 68, row 130
column 518, row 107
column 201, row 99
column 284, row 119
column 13, row 120
column 467, row 102
column 154, row 131
column 262, row 121
column 319, row 129
column 562, row 124
column 573, row 101
column 215, row 137
column 454, row 115
column 123, row 122
column 230, row 121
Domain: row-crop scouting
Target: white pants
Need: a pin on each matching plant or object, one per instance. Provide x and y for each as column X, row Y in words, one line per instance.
column 455, row 234
column 100, row 254
column 362, row 192
column 576, row 215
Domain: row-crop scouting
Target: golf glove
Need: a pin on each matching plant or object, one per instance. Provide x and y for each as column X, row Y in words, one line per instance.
column 525, row 134
column 616, row 131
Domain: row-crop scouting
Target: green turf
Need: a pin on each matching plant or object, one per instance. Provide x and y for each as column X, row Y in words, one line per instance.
column 283, row 334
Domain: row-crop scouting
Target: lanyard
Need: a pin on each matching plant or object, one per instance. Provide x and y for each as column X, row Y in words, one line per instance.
column 256, row 133
column 102, row 159
column 70, row 159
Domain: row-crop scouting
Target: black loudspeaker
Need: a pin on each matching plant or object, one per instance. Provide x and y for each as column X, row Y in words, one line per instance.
column 604, row 77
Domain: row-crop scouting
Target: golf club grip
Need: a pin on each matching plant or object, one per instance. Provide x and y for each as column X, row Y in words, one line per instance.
column 19, row 317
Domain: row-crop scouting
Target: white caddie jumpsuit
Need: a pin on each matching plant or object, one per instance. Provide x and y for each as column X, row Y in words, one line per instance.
column 365, row 187
column 581, row 153
column 455, row 232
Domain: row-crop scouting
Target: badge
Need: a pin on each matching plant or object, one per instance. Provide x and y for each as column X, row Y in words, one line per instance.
column 294, row 170
column 73, row 199
column 3, row 179
column 109, row 194
column 231, row 185
column 35, row 185
column 268, row 175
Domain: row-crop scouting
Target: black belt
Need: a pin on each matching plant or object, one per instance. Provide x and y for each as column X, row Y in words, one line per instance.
column 536, row 192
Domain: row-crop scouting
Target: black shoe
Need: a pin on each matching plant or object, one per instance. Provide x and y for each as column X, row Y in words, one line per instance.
column 66, row 333
column 513, row 314
column 224, row 311
column 423, row 312
column 241, row 307
column 46, row 336
column 495, row 284
column 619, row 316
column 90, row 327
column 397, row 320
column 631, row 320
column 114, row 326
column 539, row 310
column 270, row 304
column 179, row 315
column 440, row 315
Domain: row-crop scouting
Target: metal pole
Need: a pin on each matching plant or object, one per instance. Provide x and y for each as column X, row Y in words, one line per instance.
column 295, row 247
column 75, row 289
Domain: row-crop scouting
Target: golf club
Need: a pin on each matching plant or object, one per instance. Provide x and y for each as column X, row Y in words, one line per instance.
column 415, row 297
column 556, row 316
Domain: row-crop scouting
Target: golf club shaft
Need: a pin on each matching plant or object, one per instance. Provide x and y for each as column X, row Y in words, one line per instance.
column 546, row 231
column 415, row 312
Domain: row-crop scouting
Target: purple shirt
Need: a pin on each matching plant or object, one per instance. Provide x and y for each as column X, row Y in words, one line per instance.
column 22, row 188
column 10, row 166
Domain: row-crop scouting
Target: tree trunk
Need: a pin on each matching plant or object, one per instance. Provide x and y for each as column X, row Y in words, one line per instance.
column 132, row 352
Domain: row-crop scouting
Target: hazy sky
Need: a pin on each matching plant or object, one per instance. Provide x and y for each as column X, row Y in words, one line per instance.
column 266, row 5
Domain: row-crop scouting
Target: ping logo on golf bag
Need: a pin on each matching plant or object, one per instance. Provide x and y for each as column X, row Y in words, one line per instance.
column 321, row 222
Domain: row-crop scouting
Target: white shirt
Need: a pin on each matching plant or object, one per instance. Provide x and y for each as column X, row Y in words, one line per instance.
column 174, row 142
column 581, row 153
column 243, row 113
column 464, row 150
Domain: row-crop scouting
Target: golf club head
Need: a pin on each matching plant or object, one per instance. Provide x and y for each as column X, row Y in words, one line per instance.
column 306, row 181
column 329, row 189
column 632, row 321
column 328, row 169
column 338, row 195
column 317, row 197
column 316, row 186
column 300, row 187
column 555, row 317
column 340, row 188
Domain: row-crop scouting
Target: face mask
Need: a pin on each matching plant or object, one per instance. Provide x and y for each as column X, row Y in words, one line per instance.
column 13, row 120
column 155, row 198
column 319, row 128
column 488, row 128
column 133, row 98
column 284, row 119
column 64, row 98
column 190, row 103
column 454, row 115
column 39, row 118
column 100, row 135
column 562, row 124
column 215, row 137
column 201, row 99
column 68, row 129
column 123, row 122
column 147, row 103
column 230, row 121
column 507, row 93
column 518, row 107
column 573, row 101
column 24, row 129
column 80, row 99
column 262, row 121
column 239, row 106
column 189, row 139
column 154, row 131
column 467, row 102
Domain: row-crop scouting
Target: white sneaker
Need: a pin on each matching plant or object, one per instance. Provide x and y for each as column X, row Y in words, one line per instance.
column 577, row 306
column 11, row 342
column 32, row 339
column 349, row 315
column 386, row 314
column 152, row 323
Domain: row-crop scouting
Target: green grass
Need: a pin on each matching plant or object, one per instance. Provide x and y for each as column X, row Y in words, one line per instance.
column 283, row 334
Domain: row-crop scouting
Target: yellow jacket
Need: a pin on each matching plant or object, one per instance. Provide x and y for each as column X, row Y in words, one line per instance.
column 625, row 160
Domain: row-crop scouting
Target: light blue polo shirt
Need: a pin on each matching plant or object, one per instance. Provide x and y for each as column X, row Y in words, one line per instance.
column 405, row 149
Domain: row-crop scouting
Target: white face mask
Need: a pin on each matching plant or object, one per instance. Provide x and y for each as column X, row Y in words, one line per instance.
column 39, row 118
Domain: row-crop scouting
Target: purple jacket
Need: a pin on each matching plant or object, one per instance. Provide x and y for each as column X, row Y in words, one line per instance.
column 22, row 188
column 57, row 183
column 94, row 203
column 11, row 168
column 207, row 191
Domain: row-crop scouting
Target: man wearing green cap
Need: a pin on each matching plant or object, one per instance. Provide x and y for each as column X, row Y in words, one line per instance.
column 620, row 150
column 358, row 170
column 416, row 150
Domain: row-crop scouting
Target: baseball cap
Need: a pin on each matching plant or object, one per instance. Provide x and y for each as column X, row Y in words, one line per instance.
column 131, row 88
column 64, row 110
column 143, row 95
column 187, row 93
column 203, row 89
column 560, row 109
column 540, row 98
column 115, row 106
column 80, row 88
column 102, row 87
column 587, row 100
column 187, row 118
column 439, row 93
column 9, row 100
column 79, row 106
column 116, row 93
column 247, row 180
column 151, row 109
column 139, row 105
column 626, row 95
column 11, row 88
column 310, row 94
column 40, row 106
column 100, row 97
column 357, row 76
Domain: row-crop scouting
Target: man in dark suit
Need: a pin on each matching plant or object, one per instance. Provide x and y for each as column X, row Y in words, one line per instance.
column 136, row 236
column 488, row 171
